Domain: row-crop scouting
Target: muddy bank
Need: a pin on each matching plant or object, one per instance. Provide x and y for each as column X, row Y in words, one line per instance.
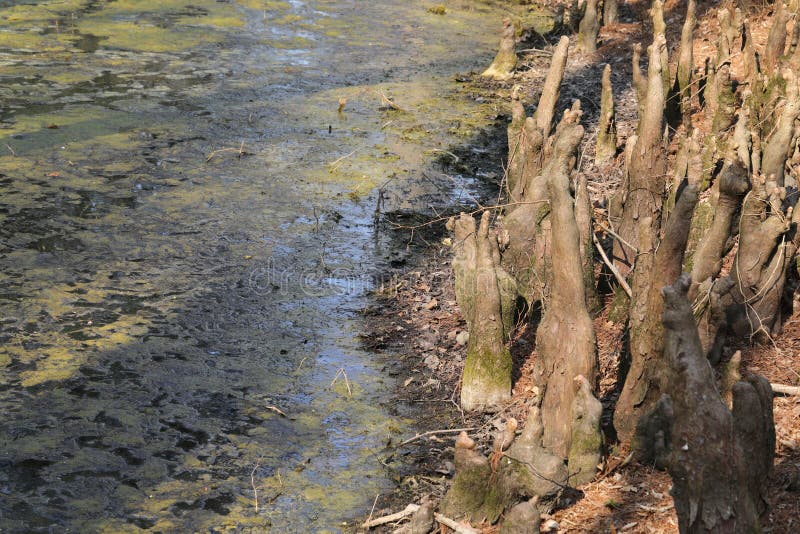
column 415, row 319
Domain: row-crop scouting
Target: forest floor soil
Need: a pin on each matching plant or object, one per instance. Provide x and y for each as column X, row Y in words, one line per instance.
column 416, row 319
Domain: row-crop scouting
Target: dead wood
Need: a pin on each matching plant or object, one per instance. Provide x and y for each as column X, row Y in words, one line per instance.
column 391, row 518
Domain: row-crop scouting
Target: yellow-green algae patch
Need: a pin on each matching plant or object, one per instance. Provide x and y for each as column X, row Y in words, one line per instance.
column 140, row 25
column 145, row 37
column 72, row 125
column 265, row 5
column 32, row 40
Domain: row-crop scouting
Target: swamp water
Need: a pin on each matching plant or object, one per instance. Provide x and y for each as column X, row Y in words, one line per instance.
column 186, row 236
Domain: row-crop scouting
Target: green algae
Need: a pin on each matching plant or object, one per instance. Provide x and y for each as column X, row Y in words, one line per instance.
column 148, row 324
column 145, row 38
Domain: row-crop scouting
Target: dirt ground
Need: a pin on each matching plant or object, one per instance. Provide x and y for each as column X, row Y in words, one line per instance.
column 416, row 316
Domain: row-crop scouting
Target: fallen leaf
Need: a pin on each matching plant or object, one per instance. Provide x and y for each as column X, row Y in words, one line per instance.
column 53, row 174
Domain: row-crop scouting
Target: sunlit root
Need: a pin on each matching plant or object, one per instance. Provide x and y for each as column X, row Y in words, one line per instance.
column 505, row 61
column 565, row 337
column 486, row 295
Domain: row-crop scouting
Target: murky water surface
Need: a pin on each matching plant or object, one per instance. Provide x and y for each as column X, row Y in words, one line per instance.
column 185, row 237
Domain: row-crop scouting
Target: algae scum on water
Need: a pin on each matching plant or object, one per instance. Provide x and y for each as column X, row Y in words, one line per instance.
column 185, row 239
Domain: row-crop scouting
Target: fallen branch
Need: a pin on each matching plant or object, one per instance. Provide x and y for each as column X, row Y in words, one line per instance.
column 617, row 236
column 611, row 267
column 434, row 432
column 457, row 527
column 391, row 518
column 386, row 101
column 785, row 390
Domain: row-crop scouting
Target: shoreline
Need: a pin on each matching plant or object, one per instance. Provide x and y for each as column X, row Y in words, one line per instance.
column 418, row 321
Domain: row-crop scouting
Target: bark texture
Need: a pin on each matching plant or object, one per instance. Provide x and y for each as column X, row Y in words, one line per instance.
column 583, row 218
column 528, row 468
column 523, row 518
column 776, row 40
column 517, row 148
column 472, row 495
column 587, row 438
column 732, row 184
column 610, row 12
column 588, row 28
column 773, row 160
column 719, row 459
column 683, row 77
column 565, row 341
column 527, row 472
column 647, row 376
column 527, row 219
column 486, row 295
column 642, row 199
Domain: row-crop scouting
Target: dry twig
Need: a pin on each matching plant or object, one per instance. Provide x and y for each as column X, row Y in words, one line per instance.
column 434, row 432
column 611, row 267
column 391, row 518
column 460, row 528
column 240, row 151
column 343, row 373
column 277, row 410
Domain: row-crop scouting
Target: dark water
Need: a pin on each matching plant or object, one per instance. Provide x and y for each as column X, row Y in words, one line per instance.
column 186, row 236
